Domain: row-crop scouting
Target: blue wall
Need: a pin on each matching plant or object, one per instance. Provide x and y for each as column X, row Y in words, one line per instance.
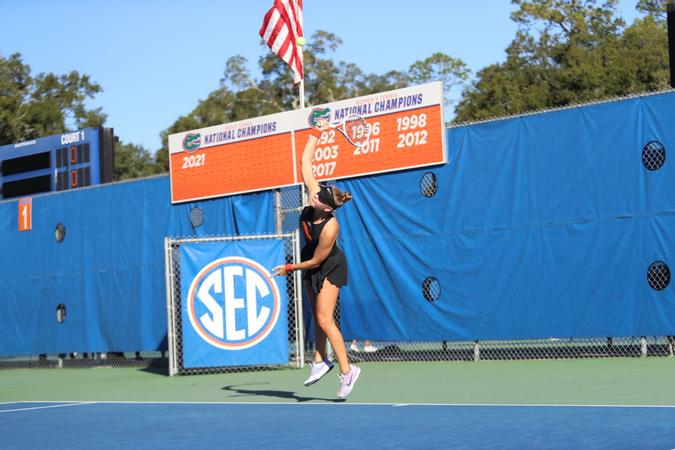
column 542, row 226
column 108, row 271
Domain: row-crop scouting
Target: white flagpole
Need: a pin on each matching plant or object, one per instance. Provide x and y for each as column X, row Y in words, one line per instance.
column 300, row 47
column 303, row 200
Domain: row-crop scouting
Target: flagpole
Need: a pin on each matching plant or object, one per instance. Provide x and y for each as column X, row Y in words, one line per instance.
column 303, row 201
column 301, row 92
column 299, row 44
column 301, row 87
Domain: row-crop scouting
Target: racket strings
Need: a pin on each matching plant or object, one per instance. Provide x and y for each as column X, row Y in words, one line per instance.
column 356, row 130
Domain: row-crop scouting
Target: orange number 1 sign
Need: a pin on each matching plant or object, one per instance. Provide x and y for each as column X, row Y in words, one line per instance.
column 25, row 214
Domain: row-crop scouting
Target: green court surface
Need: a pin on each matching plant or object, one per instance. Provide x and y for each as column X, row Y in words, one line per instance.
column 630, row 381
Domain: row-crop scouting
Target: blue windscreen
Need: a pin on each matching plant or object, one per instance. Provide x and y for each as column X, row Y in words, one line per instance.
column 541, row 226
column 109, row 269
column 538, row 226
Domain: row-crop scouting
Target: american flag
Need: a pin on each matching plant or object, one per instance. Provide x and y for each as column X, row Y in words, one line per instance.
column 280, row 29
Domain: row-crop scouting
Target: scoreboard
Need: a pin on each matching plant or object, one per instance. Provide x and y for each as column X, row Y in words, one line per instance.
column 57, row 163
column 406, row 130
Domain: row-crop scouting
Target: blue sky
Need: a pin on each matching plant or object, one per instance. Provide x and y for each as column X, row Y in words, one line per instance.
column 156, row 59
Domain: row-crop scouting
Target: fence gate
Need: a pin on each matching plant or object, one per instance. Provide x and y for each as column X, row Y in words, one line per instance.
column 224, row 311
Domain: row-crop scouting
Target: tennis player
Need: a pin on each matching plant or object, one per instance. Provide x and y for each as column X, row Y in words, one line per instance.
column 324, row 269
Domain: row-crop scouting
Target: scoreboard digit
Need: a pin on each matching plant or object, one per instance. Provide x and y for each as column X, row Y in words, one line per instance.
column 56, row 163
column 406, row 130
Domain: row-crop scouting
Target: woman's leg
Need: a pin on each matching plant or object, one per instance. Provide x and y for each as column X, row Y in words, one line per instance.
column 319, row 335
column 324, row 308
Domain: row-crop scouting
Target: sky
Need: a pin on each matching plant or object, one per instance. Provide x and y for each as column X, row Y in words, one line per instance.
column 156, row 59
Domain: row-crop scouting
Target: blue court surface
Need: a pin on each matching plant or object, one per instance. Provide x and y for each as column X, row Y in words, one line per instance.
column 75, row 425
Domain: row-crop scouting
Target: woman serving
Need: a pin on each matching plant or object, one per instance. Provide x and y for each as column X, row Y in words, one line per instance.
column 324, row 268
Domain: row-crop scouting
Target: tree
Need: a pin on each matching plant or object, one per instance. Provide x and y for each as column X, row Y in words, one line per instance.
column 656, row 9
column 439, row 66
column 31, row 107
column 133, row 161
column 568, row 52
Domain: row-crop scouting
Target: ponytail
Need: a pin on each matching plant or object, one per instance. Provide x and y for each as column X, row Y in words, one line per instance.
column 341, row 197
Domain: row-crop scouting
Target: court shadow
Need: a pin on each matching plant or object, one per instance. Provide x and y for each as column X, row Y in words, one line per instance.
column 244, row 392
column 156, row 370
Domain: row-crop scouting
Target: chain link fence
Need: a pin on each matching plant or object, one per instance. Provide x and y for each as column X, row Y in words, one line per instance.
column 174, row 303
column 552, row 348
column 140, row 359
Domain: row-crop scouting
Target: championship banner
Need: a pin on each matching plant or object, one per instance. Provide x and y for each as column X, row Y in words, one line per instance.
column 405, row 127
column 233, row 312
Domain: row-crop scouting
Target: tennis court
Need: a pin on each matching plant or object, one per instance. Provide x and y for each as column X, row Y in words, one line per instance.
column 611, row 403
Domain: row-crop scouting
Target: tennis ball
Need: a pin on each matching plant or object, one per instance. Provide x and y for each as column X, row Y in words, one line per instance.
column 300, row 41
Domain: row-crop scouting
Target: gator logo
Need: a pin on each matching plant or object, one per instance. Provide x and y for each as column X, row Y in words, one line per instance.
column 318, row 114
column 192, row 141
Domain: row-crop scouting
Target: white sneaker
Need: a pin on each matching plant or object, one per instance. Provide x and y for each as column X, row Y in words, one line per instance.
column 354, row 348
column 370, row 348
column 317, row 371
column 348, row 381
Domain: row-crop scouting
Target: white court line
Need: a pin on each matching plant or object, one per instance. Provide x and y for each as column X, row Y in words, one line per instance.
column 343, row 404
column 44, row 407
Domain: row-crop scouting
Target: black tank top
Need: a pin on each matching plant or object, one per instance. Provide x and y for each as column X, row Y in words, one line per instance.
column 334, row 267
column 312, row 232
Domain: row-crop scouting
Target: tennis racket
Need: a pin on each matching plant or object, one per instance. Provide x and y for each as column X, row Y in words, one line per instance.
column 355, row 129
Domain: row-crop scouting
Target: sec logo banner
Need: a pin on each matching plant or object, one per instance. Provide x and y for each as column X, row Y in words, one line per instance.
column 233, row 303
column 232, row 312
